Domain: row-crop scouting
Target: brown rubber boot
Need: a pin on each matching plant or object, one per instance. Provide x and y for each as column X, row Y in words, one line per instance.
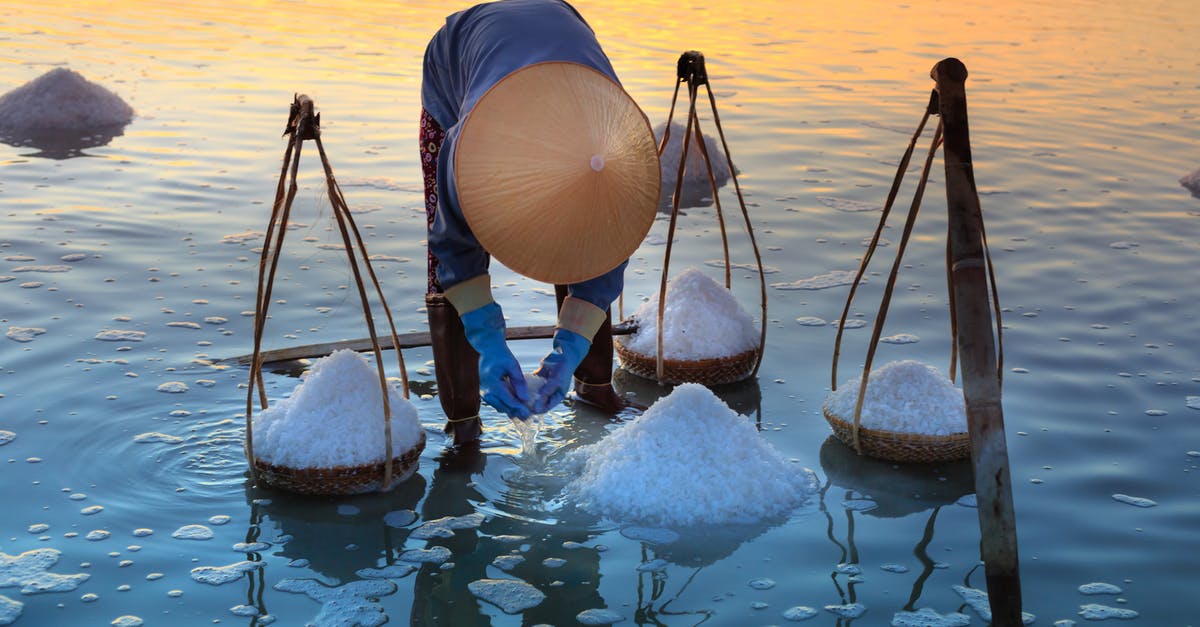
column 456, row 368
column 593, row 377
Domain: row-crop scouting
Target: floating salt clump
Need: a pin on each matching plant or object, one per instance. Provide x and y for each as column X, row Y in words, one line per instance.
column 193, row 532
column 927, row 617
column 334, row 417
column 432, row 555
column 62, row 99
column 10, row 610
column 6, row 437
column 30, row 572
column 353, row 603
column 391, row 571
column 849, row 610
column 1193, row 402
column 688, row 460
column 906, row 396
column 1135, row 501
column 23, row 334
column 702, row 320
column 598, row 616
column 173, row 387
column 1099, row 587
column 220, row 575
column 978, row 600
column 1095, row 611
column 154, row 436
column 116, row 335
column 446, row 526
column 508, row 562
column 127, row 620
column 835, row 278
column 510, row 595
column 799, row 612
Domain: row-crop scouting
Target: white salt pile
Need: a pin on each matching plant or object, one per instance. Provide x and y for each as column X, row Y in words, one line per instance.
column 1192, row 182
column 905, row 396
column 702, row 320
column 61, row 100
column 334, row 417
column 695, row 176
column 688, row 460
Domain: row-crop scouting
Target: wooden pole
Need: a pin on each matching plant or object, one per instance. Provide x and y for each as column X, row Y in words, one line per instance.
column 977, row 351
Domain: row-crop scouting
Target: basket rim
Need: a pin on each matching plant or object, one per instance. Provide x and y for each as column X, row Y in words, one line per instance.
column 895, row 435
column 413, row 451
column 753, row 352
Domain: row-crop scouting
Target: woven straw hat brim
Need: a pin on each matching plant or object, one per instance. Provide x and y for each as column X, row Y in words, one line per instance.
column 557, row 172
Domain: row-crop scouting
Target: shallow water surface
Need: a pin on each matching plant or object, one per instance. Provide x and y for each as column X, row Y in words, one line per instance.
column 128, row 268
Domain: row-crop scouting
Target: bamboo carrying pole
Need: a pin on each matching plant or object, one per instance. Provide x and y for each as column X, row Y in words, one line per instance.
column 969, row 279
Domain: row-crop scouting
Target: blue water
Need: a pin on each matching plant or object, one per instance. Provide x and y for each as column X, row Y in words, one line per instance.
column 1083, row 120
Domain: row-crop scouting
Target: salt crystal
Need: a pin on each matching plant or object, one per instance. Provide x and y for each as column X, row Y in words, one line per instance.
column 702, row 320
column 688, row 460
column 905, row 396
column 334, row 417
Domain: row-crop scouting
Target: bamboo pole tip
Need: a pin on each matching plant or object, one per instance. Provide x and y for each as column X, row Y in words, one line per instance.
column 949, row 68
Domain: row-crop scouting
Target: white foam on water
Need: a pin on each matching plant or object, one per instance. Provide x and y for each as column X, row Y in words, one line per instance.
column 900, row 338
column 598, row 616
column 811, row 321
column 6, row 437
column 334, row 417
column 184, row 324
column 118, row 335
column 834, row 278
column 29, row 571
column 173, row 387
column 142, row 532
column 702, row 320
column 512, row 596
column 219, row 519
column 127, row 620
column 848, row 610
column 1099, row 587
column 1135, row 501
column 391, row 571
column 48, row 269
column 220, row 575
column 350, row 604
column 193, row 532
column 62, row 99
column 927, row 617
column 689, row 459
column 906, row 396
column 96, row 535
column 154, row 436
column 91, row 510
column 446, row 526
column 251, row 547
column 432, row 555
column 761, row 583
column 38, row 528
column 799, row 613
column 1095, row 611
column 23, row 334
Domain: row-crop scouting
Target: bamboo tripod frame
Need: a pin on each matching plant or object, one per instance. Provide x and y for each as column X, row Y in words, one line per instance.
column 304, row 124
column 691, row 70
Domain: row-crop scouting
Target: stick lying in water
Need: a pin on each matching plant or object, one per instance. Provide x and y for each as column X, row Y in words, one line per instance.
column 407, row 340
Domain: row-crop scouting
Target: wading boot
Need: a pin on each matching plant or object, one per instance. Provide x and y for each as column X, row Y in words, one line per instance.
column 456, row 368
column 593, row 377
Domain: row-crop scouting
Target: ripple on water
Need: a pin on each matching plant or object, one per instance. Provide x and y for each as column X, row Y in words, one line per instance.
column 510, row 595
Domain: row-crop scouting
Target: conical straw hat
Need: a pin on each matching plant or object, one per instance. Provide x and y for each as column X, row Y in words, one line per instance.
column 557, row 172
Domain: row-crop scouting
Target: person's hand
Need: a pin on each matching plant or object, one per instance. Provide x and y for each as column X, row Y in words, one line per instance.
column 558, row 368
column 500, row 377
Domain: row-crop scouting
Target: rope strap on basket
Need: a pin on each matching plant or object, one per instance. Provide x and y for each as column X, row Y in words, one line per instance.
column 304, row 124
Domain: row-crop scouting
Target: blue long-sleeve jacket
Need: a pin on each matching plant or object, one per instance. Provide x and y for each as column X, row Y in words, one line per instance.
column 474, row 50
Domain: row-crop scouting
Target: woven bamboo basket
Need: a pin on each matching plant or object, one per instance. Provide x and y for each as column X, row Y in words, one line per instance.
column 341, row 479
column 898, row 446
column 712, row 371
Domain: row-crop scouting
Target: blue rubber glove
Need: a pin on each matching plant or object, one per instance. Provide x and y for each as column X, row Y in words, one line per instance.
column 558, row 368
column 500, row 377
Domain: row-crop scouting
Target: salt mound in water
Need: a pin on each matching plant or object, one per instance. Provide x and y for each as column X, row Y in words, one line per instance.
column 62, row 99
column 334, row 417
column 906, row 396
column 1192, row 183
column 688, row 460
column 702, row 320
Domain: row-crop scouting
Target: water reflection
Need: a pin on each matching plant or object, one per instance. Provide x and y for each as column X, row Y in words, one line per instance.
column 61, row 144
column 884, row 489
